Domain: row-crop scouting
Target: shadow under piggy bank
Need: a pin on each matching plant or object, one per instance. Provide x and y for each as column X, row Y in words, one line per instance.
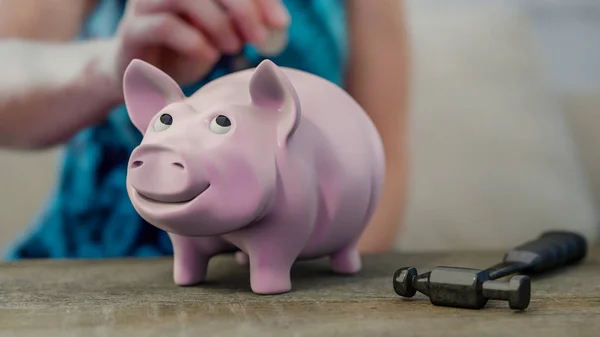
column 310, row 276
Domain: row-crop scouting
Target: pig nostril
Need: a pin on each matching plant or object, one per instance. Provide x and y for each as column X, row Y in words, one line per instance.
column 179, row 165
column 137, row 163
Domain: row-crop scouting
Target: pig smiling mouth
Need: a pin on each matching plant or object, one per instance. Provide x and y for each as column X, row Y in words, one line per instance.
column 155, row 201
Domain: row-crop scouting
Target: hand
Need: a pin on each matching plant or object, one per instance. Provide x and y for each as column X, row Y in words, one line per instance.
column 185, row 38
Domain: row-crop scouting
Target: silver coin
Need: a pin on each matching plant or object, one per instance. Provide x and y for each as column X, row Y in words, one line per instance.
column 274, row 44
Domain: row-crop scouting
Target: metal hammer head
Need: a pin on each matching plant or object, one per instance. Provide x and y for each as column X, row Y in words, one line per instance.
column 462, row 287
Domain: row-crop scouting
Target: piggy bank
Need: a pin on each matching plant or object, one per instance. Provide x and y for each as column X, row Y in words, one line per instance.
column 273, row 163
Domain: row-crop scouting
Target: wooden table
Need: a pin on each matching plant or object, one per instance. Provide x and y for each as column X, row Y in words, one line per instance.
column 138, row 298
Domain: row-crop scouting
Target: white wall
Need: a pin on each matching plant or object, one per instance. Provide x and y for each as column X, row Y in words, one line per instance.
column 495, row 157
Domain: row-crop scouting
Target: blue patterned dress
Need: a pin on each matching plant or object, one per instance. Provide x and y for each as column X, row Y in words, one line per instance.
column 89, row 214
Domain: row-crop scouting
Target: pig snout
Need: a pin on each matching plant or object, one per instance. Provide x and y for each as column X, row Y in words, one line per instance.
column 163, row 175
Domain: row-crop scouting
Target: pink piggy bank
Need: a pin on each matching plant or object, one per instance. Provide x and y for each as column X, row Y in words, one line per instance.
column 277, row 164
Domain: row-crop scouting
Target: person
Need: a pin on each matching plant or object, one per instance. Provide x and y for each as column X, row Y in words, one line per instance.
column 62, row 67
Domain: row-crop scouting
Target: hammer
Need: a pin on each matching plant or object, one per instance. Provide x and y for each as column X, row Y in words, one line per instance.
column 473, row 288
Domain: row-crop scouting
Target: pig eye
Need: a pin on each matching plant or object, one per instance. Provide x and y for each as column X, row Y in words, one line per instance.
column 220, row 125
column 163, row 122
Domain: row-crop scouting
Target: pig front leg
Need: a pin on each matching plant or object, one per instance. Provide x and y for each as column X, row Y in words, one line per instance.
column 271, row 252
column 274, row 244
column 191, row 256
column 270, row 270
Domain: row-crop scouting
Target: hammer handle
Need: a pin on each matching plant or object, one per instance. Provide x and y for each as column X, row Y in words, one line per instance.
column 553, row 249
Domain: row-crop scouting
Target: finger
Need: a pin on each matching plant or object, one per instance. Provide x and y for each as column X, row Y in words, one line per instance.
column 208, row 15
column 172, row 32
column 205, row 15
column 274, row 13
column 247, row 18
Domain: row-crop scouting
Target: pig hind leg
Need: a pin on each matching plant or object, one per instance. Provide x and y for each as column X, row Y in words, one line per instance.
column 347, row 260
column 242, row 258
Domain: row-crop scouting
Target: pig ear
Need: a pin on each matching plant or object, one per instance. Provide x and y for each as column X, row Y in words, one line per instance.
column 271, row 89
column 147, row 90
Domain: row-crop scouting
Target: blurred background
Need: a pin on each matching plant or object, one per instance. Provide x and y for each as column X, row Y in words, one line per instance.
column 504, row 110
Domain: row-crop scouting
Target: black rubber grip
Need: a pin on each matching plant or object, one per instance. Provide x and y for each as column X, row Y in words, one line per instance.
column 551, row 250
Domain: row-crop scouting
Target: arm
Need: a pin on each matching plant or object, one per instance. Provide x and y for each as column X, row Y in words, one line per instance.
column 50, row 90
column 48, row 86
column 378, row 80
column 48, row 20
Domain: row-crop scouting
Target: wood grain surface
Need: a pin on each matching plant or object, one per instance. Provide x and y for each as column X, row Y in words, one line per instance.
column 137, row 297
